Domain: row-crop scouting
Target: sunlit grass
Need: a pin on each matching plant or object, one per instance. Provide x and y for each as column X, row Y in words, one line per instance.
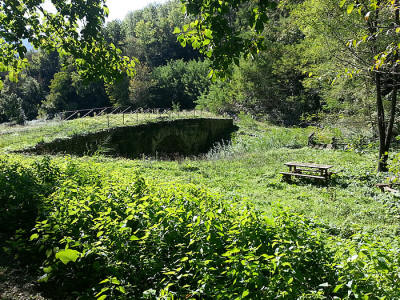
column 247, row 169
column 20, row 137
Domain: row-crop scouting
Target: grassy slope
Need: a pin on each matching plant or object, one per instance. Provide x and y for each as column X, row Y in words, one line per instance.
column 249, row 169
column 351, row 202
column 20, row 137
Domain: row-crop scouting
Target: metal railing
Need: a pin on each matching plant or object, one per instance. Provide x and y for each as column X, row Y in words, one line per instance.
column 133, row 115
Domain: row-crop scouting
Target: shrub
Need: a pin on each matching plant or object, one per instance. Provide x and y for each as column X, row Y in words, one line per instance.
column 117, row 236
column 179, row 82
column 127, row 240
column 18, row 197
column 11, row 108
column 367, row 269
column 22, row 189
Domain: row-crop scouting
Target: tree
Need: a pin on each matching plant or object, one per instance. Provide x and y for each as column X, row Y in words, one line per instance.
column 179, row 82
column 114, row 33
column 375, row 52
column 74, row 29
column 24, row 96
column 68, row 91
column 218, row 31
column 149, row 34
column 353, row 43
column 383, row 21
column 269, row 85
column 11, row 108
column 42, row 66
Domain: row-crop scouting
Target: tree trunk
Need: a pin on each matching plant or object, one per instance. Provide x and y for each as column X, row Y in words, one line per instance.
column 382, row 164
column 386, row 133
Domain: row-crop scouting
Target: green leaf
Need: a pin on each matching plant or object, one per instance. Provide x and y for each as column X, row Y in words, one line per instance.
column 134, row 238
column 34, row 237
column 114, row 280
column 325, row 284
column 245, row 293
column 68, row 255
column 208, row 33
column 106, row 10
column 337, row 288
column 342, row 3
column 350, row 8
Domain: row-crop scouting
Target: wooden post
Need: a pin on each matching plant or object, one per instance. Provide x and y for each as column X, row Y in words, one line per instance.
column 108, row 121
column 123, row 119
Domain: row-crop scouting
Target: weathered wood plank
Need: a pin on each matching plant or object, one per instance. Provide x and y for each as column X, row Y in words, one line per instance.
column 302, row 175
column 390, row 190
column 308, row 165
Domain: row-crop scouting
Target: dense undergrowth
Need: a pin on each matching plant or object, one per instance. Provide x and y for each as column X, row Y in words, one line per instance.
column 221, row 226
column 107, row 234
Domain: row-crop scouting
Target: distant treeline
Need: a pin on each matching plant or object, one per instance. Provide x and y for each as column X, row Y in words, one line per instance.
column 277, row 85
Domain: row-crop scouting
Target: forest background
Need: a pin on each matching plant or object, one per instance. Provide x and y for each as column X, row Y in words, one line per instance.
column 288, row 83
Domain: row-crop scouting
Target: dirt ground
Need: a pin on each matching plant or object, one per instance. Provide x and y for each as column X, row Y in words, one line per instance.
column 16, row 282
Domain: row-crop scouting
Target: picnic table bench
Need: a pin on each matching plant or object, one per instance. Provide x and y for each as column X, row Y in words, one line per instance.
column 307, row 170
column 388, row 187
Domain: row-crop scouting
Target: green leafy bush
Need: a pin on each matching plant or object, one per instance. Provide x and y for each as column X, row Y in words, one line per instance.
column 368, row 269
column 22, row 189
column 18, row 197
column 179, row 82
column 11, row 108
column 112, row 235
column 128, row 240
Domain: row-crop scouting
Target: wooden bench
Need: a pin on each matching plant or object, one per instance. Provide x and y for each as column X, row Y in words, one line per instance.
column 307, row 170
column 387, row 187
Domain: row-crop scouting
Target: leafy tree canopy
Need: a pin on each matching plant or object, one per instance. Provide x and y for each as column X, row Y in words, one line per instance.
column 221, row 30
column 74, row 29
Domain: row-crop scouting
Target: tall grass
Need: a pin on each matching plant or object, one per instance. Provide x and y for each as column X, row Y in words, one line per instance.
column 20, row 137
column 256, row 136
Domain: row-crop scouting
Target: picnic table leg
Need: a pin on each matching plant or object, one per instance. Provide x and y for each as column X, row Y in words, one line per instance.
column 287, row 177
column 327, row 175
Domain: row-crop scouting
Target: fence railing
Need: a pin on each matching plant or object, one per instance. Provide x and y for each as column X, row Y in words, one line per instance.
column 132, row 115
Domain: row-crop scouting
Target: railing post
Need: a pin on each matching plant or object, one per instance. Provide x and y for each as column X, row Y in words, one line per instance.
column 108, row 121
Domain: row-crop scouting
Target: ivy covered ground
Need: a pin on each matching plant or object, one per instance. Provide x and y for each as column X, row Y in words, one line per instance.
column 220, row 226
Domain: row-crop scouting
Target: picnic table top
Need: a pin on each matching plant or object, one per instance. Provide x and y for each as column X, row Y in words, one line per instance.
column 308, row 165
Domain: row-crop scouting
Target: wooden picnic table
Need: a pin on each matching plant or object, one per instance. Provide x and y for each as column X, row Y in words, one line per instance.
column 309, row 170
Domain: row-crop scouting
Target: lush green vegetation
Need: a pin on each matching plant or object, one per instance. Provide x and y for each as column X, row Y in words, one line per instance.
column 21, row 137
column 225, row 224
column 164, row 229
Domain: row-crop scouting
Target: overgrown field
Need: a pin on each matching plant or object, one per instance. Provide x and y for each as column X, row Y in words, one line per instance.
column 20, row 137
column 220, row 226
